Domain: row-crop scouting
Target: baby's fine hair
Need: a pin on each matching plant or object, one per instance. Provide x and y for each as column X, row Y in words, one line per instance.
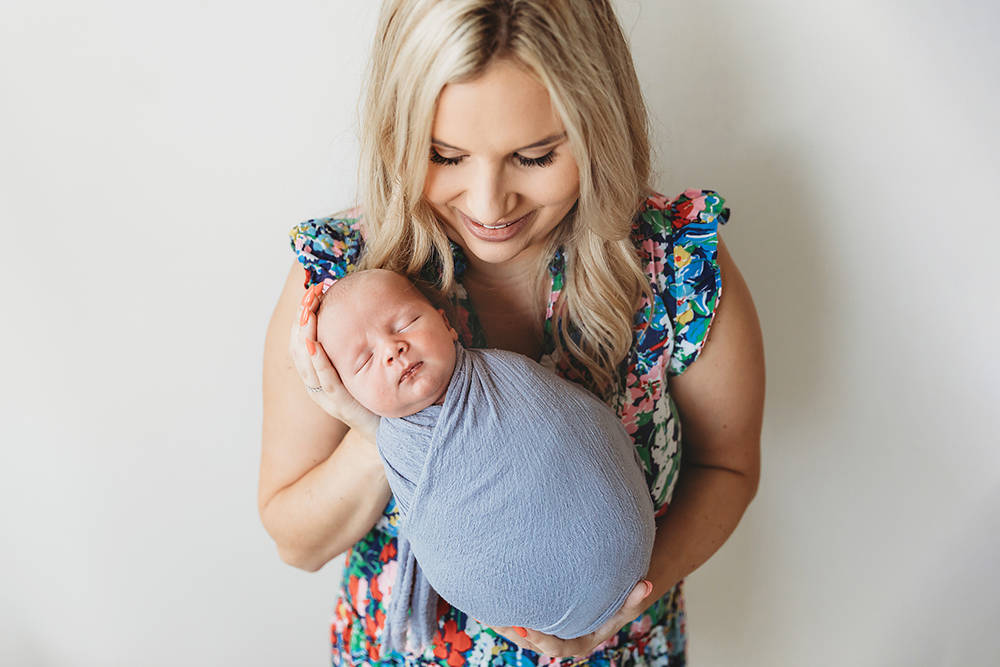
column 352, row 282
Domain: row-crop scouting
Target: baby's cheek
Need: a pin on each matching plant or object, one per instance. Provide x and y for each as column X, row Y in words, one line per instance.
column 379, row 398
column 357, row 389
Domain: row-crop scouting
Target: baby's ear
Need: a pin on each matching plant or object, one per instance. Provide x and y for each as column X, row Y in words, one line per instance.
column 451, row 329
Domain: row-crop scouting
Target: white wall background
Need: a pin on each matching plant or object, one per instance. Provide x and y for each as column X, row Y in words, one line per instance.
column 153, row 156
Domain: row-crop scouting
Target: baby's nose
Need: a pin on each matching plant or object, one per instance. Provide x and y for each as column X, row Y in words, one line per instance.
column 395, row 353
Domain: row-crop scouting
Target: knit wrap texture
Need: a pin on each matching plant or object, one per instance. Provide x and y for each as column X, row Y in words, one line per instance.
column 523, row 503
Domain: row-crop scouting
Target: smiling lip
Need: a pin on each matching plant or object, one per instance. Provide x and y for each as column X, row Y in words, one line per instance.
column 409, row 371
column 501, row 232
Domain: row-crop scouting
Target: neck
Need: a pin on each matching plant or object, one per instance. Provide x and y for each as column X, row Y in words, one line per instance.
column 517, row 272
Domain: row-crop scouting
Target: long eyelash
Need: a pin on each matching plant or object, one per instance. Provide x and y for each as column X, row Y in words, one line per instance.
column 543, row 161
column 437, row 158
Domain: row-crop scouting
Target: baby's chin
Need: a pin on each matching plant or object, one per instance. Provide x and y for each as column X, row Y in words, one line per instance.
column 396, row 411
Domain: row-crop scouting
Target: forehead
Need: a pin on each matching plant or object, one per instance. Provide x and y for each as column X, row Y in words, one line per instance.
column 376, row 292
column 363, row 305
column 503, row 109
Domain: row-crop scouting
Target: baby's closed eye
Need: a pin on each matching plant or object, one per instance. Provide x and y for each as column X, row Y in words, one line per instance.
column 365, row 361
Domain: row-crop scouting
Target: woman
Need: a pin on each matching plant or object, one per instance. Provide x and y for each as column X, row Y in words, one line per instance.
column 505, row 156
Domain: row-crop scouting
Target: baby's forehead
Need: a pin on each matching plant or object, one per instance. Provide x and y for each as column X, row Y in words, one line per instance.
column 373, row 291
column 391, row 287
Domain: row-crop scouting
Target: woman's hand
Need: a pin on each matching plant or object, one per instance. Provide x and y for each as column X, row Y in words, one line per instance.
column 320, row 377
column 583, row 646
column 322, row 485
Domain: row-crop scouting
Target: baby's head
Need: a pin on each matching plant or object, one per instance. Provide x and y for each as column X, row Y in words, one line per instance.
column 393, row 350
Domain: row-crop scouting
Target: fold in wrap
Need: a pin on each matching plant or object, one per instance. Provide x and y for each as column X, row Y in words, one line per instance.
column 523, row 502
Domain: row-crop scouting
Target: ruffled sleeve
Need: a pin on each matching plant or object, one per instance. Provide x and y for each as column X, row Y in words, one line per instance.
column 679, row 240
column 328, row 248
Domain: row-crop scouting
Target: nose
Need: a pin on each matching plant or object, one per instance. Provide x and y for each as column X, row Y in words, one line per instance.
column 394, row 351
column 488, row 197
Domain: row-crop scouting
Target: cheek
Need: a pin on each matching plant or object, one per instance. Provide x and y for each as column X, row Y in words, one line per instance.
column 364, row 386
column 555, row 186
column 353, row 387
column 437, row 186
column 375, row 395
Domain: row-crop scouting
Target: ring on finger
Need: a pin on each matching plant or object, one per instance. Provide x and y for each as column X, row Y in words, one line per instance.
column 314, row 389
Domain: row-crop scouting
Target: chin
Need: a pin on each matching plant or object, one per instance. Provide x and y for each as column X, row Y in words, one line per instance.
column 493, row 253
column 405, row 411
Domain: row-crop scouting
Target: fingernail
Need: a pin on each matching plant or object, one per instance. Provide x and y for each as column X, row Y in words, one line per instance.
column 649, row 589
column 311, row 348
column 304, row 317
column 521, row 631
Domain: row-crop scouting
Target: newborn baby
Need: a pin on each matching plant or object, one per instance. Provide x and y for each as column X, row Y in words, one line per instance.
column 522, row 498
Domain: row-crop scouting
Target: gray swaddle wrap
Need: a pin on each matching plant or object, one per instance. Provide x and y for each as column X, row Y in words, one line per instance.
column 523, row 502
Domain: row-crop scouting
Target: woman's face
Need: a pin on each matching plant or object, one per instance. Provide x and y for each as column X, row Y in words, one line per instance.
column 501, row 176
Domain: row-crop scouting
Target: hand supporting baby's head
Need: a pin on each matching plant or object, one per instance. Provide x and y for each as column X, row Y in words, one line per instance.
column 393, row 350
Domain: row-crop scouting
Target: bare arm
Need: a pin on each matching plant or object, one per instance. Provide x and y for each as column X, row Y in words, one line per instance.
column 721, row 403
column 322, row 486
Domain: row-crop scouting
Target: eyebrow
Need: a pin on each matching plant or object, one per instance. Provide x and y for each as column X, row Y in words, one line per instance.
column 544, row 142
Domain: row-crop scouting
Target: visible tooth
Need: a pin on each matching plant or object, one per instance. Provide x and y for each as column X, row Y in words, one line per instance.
column 498, row 226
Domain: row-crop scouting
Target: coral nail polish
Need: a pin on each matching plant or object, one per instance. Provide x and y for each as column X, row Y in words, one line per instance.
column 521, row 631
column 310, row 347
column 305, row 317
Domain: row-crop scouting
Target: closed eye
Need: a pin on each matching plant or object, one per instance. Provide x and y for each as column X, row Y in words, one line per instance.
column 437, row 158
column 365, row 363
column 543, row 161
column 407, row 326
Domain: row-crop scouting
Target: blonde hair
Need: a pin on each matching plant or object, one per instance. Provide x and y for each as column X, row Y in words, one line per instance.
column 577, row 50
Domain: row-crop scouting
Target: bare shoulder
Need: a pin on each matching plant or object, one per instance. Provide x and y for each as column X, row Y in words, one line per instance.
column 721, row 395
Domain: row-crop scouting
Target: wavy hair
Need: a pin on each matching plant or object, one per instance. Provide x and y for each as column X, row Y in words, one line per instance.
column 577, row 50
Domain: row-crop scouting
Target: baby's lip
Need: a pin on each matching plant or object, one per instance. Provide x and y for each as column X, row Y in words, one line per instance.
column 409, row 371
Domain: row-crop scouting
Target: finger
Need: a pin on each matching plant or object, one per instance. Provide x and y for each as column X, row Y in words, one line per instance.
column 638, row 594
column 554, row 647
column 307, row 298
column 310, row 302
column 511, row 637
column 585, row 645
column 634, row 605
column 307, row 322
column 299, row 352
column 317, row 293
column 327, row 375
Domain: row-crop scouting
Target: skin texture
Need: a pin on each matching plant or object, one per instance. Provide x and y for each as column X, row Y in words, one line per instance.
column 393, row 351
column 486, row 170
column 322, row 490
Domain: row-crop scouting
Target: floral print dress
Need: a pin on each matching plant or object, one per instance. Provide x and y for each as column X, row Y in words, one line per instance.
column 677, row 243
